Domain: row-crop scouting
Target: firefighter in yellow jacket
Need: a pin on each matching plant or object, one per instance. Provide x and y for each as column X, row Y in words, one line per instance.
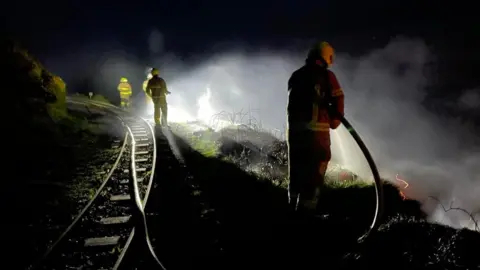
column 157, row 90
column 315, row 105
column 125, row 90
column 148, row 99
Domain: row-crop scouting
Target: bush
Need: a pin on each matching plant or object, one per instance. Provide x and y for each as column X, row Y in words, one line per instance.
column 101, row 98
column 34, row 88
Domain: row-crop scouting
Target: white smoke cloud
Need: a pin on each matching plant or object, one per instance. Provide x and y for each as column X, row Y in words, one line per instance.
column 470, row 99
column 437, row 155
column 155, row 42
column 384, row 91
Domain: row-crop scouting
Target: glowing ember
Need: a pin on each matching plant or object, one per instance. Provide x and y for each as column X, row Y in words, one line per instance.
column 406, row 185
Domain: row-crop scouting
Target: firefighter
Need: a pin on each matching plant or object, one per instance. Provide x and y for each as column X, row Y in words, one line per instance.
column 148, row 99
column 157, row 90
column 125, row 90
column 315, row 105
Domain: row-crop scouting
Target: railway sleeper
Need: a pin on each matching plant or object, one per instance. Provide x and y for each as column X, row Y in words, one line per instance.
column 142, row 153
column 136, row 169
column 126, row 181
column 142, row 144
column 115, row 220
column 102, row 241
column 120, row 197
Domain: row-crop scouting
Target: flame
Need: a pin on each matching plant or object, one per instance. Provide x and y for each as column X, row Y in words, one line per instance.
column 406, row 185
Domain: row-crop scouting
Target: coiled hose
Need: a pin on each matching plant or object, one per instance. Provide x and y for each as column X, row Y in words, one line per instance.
column 376, row 177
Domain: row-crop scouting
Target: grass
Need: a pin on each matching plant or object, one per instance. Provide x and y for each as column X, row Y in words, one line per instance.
column 95, row 97
column 202, row 142
column 55, row 156
column 244, row 223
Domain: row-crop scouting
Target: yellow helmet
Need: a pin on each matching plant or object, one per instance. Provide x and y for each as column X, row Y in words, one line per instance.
column 155, row 71
column 123, row 79
column 322, row 50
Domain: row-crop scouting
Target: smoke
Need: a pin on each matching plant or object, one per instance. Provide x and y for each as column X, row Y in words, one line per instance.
column 470, row 99
column 155, row 42
column 385, row 90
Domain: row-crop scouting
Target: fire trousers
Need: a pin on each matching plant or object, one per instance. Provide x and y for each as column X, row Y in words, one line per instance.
column 308, row 157
column 160, row 109
column 125, row 101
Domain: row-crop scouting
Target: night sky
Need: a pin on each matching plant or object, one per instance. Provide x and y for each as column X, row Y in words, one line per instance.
column 194, row 27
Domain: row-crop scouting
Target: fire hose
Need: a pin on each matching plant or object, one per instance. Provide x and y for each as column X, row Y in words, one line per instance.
column 376, row 177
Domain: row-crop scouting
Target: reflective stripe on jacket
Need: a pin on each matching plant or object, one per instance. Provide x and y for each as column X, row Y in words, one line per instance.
column 157, row 87
column 124, row 88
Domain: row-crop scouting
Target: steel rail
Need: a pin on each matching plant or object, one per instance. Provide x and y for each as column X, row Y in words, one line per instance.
column 85, row 208
column 140, row 205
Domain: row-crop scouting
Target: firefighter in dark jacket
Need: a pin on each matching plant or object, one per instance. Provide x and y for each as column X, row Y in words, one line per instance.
column 315, row 104
column 157, row 90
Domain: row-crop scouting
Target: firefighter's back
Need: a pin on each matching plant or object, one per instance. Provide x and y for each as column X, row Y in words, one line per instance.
column 307, row 86
column 158, row 86
column 124, row 87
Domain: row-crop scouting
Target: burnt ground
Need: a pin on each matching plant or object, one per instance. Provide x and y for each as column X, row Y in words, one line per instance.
column 210, row 214
column 53, row 174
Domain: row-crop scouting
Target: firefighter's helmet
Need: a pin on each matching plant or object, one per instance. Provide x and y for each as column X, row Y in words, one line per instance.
column 123, row 79
column 155, row 71
column 322, row 50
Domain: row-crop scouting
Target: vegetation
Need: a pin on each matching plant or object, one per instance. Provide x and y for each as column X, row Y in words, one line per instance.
column 234, row 209
column 51, row 152
column 244, row 218
column 95, row 97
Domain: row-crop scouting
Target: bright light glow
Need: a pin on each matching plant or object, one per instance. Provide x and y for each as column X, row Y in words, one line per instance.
column 205, row 111
column 175, row 114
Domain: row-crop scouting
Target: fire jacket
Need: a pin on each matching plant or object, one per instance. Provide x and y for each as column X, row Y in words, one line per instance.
column 315, row 99
column 125, row 89
column 156, row 87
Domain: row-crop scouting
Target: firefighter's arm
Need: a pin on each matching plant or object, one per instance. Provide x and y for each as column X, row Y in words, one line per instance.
column 129, row 87
column 164, row 86
column 338, row 101
column 148, row 89
column 289, row 85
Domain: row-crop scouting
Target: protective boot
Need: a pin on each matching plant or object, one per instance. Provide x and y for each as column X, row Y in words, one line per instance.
column 308, row 205
column 318, row 213
column 292, row 202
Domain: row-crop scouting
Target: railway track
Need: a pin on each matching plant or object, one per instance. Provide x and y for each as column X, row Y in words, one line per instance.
column 101, row 234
